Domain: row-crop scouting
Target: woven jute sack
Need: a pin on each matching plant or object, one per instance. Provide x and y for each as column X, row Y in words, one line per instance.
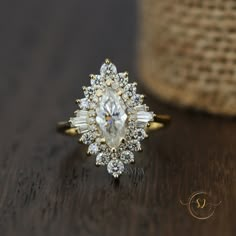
column 187, row 52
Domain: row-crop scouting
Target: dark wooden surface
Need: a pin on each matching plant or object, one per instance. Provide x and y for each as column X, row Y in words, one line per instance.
column 47, row 184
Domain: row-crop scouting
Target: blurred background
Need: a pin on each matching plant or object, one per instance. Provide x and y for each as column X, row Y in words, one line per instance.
column 184, row 52
column 183, row 55
column 188, row 53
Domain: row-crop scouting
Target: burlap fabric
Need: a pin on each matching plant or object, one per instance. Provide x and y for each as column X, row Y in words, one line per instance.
column 187, row 52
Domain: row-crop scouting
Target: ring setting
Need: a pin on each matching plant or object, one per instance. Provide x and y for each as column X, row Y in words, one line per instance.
column 112, row 119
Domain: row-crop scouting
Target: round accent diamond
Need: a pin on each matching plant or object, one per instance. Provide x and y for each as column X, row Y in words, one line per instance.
column 88, row 91
column 102, row 159
column 127, row 157
column 96, row 80
column 91, row 120
column 130, row 89
column 104, row 147
column 93, row 148
column 115, row 168
column 122, row 79
column 136, row 100
column 139, row 134
column 84, row 104
column 134, row 145
column 88, row 138
column 107, row 69
column 93, row 128
column 122, row 147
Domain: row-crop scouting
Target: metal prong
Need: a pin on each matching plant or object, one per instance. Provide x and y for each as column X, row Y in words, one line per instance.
column 92, row 76
column 113, row 150
column 126, row 73
column 120, row 92
column 135, row 83
column 140, row 150
column 116, row 176
column 84, row 88
column 107, row 61
column 77, row 101
column 92, row 115
column 123, row 140
column 88, row 154
column 103, row 141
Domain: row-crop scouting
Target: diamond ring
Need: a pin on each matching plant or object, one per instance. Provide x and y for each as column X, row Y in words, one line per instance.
column 112, row 119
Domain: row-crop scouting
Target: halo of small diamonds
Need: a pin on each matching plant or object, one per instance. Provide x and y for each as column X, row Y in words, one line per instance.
column 112, row 118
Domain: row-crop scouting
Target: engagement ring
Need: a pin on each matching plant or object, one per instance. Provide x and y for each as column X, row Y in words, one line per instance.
column 112, row 119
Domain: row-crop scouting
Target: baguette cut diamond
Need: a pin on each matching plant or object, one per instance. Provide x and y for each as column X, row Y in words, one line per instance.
column 111, row 117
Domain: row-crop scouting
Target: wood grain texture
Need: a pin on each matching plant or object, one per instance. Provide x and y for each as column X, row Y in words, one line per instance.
column 47, row 185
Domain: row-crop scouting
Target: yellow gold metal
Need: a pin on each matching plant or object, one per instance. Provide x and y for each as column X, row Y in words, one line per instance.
column 107, row 61
column 99, row 92
column 64, row 127
column 92, row 76
column 123, row 140
column 77, row 101
column 103, row 140
column 154, row 126
column 119, row 92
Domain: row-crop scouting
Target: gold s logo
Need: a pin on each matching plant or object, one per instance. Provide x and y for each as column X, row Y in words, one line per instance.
column 200, row 205
column 198, row 201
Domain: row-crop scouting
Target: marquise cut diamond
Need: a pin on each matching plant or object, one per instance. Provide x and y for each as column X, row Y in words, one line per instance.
column 111, row 118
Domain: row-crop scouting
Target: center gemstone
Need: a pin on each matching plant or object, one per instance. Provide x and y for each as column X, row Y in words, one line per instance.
column 111, row 117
